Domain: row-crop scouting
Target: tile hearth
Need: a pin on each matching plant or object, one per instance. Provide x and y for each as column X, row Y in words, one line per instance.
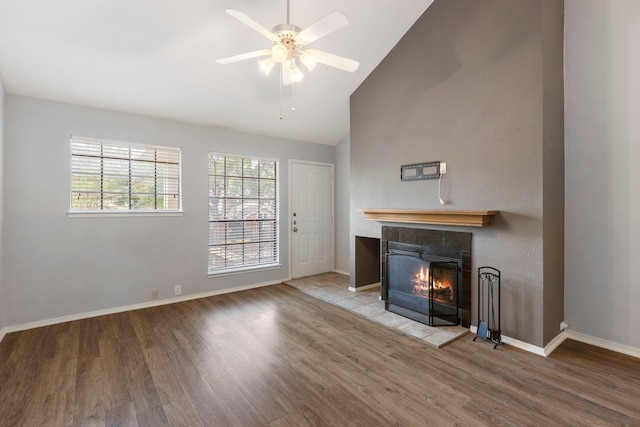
column 333, row 288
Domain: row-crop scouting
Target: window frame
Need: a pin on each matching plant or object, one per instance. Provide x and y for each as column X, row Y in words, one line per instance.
column 123, row 212
column 234, row 269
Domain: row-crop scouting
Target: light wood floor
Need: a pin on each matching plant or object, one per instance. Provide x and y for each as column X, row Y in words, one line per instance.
column 277, row 357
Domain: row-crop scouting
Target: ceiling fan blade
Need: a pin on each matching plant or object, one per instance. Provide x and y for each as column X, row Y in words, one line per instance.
column 335, row 61
column 252, row 24
column 322, row 27
column 243, row 56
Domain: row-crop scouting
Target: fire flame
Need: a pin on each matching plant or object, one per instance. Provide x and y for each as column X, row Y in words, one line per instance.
column 421, row 281
column 440, row 289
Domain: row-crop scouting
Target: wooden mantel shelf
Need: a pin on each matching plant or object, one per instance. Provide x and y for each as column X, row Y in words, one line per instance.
column 443, row 217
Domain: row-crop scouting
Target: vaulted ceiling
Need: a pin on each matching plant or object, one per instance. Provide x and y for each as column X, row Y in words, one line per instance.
column 157, row 58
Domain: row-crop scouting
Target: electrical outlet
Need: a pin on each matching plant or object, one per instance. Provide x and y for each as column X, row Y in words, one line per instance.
column 563, row 326
column 177, row 290
column 154, row 294
column 443, row 167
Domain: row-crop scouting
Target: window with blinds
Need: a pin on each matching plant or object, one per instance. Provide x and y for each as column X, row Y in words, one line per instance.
column 111, row 176
column 243, row 213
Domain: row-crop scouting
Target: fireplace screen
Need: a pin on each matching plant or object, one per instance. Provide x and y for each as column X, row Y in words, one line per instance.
column 423, row 290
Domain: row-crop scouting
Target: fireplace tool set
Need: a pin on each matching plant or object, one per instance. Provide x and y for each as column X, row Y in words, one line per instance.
column 489, row 305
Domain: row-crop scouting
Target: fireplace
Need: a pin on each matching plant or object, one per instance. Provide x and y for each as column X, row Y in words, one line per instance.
column 426, row 275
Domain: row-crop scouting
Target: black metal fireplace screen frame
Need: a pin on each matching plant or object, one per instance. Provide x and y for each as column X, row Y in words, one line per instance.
column 430, row 312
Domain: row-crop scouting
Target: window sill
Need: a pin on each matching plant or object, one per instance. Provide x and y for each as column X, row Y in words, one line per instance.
column 240, row 270
column 112, row 214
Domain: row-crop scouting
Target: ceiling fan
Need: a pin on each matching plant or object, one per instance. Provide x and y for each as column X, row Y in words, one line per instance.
column 288, row 49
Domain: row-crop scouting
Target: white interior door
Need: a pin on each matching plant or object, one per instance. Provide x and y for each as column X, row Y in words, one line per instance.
column 311, row 221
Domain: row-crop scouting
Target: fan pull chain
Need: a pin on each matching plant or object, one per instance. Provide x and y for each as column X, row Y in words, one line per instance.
column 293, row 97
column 281, row 92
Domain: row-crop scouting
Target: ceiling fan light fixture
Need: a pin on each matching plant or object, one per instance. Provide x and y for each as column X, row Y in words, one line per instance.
column 309, row 59
column 266, row 65
column 279, row 53
column 295, row 75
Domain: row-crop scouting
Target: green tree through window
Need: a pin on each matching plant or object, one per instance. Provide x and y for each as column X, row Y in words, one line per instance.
column 111, row 176
column 243, row 212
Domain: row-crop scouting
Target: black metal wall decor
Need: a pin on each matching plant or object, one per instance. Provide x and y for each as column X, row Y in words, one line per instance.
column 489, row 305
column 418, row 171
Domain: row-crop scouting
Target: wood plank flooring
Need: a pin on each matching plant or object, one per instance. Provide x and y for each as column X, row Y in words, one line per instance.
column 277, row 357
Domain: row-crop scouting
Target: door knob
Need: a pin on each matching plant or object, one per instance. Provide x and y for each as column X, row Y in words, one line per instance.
column 295, row 229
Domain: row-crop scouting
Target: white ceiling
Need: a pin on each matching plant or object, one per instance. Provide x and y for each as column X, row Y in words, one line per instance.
column 157, row 58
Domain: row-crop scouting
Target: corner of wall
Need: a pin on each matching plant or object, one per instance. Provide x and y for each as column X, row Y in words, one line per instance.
column 553, row 167
column 2, row 116
column 341, row 185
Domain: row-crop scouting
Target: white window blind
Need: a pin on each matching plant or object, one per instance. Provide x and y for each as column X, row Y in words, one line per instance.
column 111, row 176
column 243, row 212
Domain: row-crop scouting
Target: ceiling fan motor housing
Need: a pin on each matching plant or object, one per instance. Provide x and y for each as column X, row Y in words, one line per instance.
column 287, row 34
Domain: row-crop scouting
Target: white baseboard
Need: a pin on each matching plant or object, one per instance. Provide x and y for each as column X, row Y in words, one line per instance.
column 341, row 272
column 619, row 348
column 524, row 346
column 555, row 343
column 362, row 288
column 155, row 303
column 567, row 334
column 516, row 343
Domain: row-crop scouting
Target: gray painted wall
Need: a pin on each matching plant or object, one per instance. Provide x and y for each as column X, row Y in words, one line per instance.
column 466, row 85
column 56, row 265
column 2, row 96
column 342, row 206
column 602, row 245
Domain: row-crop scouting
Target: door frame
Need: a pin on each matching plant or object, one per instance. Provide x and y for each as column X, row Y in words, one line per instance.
column 290, row 210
